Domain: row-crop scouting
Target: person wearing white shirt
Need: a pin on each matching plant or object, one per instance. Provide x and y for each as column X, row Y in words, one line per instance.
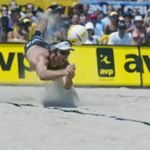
column 92, row 38
column 120, row 37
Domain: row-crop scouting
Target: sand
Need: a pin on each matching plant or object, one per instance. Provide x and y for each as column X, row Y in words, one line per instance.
column 93, row 119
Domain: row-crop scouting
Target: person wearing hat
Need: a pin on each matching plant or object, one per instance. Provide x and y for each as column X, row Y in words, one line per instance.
column 92, row 38
column 138, row 32
column 50, row 61
column 21, row 32
column 120, row 37
column 112, row 26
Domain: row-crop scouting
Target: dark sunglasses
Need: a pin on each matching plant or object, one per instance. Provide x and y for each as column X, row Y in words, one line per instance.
column 64, row 52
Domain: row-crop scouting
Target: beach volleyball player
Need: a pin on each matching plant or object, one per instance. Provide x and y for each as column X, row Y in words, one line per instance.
column 50, row 61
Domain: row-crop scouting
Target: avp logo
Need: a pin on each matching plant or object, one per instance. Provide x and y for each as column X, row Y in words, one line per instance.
column 135, row 63
column 7, row 64
column 105, row 59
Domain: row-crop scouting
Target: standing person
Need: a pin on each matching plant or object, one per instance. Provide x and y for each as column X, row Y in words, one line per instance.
column 128, row 20
column 5, row 22
column 138, row 32
column 50, row 61
column 95, row 18
column 82, row 19
column 147, row 21
column 92, row 38
column 121, row 37
column 112, row 26
column 75, row 19
column 21, row 33
column 147, row 39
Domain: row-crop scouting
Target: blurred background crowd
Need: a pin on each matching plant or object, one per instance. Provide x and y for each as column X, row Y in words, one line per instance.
column 112, row 26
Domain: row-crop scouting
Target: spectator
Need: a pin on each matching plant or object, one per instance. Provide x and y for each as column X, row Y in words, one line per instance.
column 6, row 21
column 120, row 37
column 110, row 9
column 103, row 23
column 112, row 27
column 13, row 5
column 4, row 10
column 14, row 16
column 77, row 9
column 1, row 31
column 147, row 39
column 147, row 20
column 135, row 12
column 98, row 25
column 30, row 14
column 121, row 19
column 5, row 28
column 82, row 19
column 138, row 32
column 75, row 19
column 128, row 20
column 21, row 34
column 86, row 9
column 92, row 38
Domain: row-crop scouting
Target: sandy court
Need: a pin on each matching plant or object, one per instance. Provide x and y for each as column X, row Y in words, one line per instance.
column 105, row 119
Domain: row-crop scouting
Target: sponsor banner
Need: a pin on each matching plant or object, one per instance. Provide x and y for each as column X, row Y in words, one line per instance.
column 14, row 68
column 106, row 65
column 42, row 3
column 95, row 66
column 125, row 6
column 113, row 2
column 46, row 3
column 145, row 66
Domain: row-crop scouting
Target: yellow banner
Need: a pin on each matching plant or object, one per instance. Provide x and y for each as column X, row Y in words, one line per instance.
column 145, row 65
column 42, row 3
column 14, row 68
column 106, row 65
column 95, row 66
column 46, row 3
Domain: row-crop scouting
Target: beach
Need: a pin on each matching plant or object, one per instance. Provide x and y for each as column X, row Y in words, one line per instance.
column 97, row 118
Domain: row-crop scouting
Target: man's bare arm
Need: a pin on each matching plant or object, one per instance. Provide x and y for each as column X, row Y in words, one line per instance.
column 46, row 74
column 67, row 80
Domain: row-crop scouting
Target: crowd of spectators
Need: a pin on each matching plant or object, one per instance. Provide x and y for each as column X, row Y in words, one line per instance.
column 114, row 27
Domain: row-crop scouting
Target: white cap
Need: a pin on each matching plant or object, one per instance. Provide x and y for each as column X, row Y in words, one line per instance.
column 64, row 46
column 138, row 18
column 89, row 25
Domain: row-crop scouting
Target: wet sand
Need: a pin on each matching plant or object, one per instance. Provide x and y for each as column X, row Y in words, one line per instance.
column 105, row 118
